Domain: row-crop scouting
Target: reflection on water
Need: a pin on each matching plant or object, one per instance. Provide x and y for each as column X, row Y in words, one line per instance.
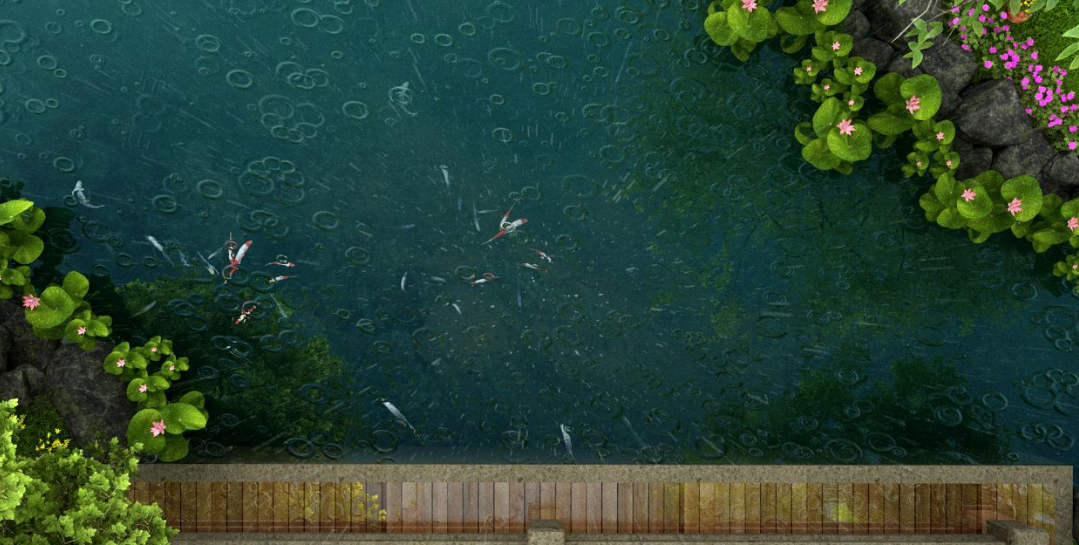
column 685, row 288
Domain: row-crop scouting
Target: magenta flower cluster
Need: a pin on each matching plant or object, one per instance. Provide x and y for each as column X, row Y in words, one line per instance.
column 1040, row 89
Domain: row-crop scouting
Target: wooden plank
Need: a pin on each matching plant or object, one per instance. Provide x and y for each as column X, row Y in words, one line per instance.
column 1020, row 493
column 594, row 509
column 218, row 507
column 455, row 508
column 423, row 503
column 954, row 505
column 439, row 507
column 518, row 508
column 938, row 508
column 655, row 508
column 860, row 508
column 234, row 510
column 502, row 507
column 1035, row 512
column 1049, row 509
column 564, row 503
column 250, row 507
column 783, row 508
column 609, row 520
column 172, row 511
column 691, row 508
column 876, row 508
column 640, row 508
column 487, row 507
column 343, row 507
column 295, row 517
column 708, row 508
column 393, row 494
column 409, row 508
column 157, row 494
column 922, row 518
column 768, row 508
column 204, row 507
column 548, row 501
column 672, row 507
column 142, row 492
column 845, row 508
column 312, row 498
column 987, row 510
column 357, row 499
column 830, row 508
column 753, row 508
column 907, row 502
column 799, row 513
column 738, row 508
column 471, row 512
column 1005, row 507
column 578, row 508
column 264, row 502
column 970, row 508
column 891, row 508
column 375, row 509
column 327, row 507
column 814, row 508
column 188, row 507
column 532, row 502
column 723, row 508
column 625, row 508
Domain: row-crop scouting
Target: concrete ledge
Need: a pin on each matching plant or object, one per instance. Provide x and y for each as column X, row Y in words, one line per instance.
column 555, row 536
column 546, row 532
column 344, row 539
column 1014, row 533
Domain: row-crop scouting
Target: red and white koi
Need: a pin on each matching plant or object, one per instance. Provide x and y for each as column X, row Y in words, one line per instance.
column 277, row 279
column 235, row 257
column 245, row 311
column 487, row 277
column 282, row 260
column 507, row 227
column 543, row 255
column 532, row 266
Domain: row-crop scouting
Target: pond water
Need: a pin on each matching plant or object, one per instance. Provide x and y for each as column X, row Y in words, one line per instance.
column 708, row 298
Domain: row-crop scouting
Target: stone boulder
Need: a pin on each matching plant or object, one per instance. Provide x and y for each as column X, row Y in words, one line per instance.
column 1061, row 176
column 21, row 383
column 874, row 51
column 903, row 67
column 1028, row 157
column 953, row 67
column 93, row 403
column 992, row 116
column 5, row 347
column 972, row 161
column 948, row 103
column 889, row 19
column 26, row 348
column 856, row 25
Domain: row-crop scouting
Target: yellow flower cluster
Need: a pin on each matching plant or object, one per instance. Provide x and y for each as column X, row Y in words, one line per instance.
column 21, row 420
column 1026, row 5
column 56, row 443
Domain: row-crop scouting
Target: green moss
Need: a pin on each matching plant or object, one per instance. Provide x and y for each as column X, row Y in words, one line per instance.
column 41, row 424
column 1046, row 27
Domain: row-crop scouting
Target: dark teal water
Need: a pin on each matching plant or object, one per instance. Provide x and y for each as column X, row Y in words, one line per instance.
column 711, row 298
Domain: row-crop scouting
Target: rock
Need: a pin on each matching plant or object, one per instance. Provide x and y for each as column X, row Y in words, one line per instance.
column 5, row 347
column 21, row 383
column 948, row 103
column 953, row 67
column 93, row 403
column 1061, row 176
column 26, row 348
column 972, row 161
column 903, row 67
column 1029, row 158
column 992, row 116
column 856, row 5
column 856, row 25
column 874, row 51
column 889, row 19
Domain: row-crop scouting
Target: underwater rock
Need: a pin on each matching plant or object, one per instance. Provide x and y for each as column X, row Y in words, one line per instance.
column 856, row 25
column 1027, row 157
column 93, row 403
column 903, row 67
column 874, row 51
column 26, row 348
column 953, row 67
column 972, row 160
column 991, row 115
column 21, row 383
column 890, row 19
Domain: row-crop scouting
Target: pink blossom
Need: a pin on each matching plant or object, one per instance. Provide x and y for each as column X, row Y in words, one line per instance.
column 835, row 45
column 1073, row 223
column 857, row 70
column 30, row 302
column 827, row 87
column 850, row 103
column 749, row 5
column 157, row 428
column 1015, row 207
column 1071, row 145
column 845, row 127
column 120, row 362
column 82, row 331
column 172, row 367
column 142, row 388
column 914, row 104
column 988, row 64
column 940, row 136
column 969, row 194
column 153, row 349
column 819, row 6
column 949, row 163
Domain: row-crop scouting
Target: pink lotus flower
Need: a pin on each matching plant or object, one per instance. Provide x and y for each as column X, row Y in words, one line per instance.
column 1015, row 207
column 857, row 70
column 827, row 87
column 846, row 128
column 914, row 104
column 850, row 103
column 120, row 362
column 969, row 194
column 918, row 164
column 172, row 368
column 157, row 428
column 82, row 331
column 142, row 388
column 948, row 163
column 809, row 69
column 835, row 45
column 30, row 302
column 1073, row 223
column 749, row 5
column 819, row 5
column 153, row 349
column 940, row 136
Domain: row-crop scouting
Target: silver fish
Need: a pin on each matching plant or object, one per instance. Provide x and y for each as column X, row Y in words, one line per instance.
column 280, row 310
column 209, row 268
column 566, row 439
column 475, row 218
column 160, row 248
column 403, row 277
column 398, row 414
column 457, row 308
column 80, row 195
column 445, row 174
column 183, row 258
column 144, row 309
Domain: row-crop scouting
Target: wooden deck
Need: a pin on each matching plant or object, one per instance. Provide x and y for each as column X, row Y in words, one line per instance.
column 585, row 507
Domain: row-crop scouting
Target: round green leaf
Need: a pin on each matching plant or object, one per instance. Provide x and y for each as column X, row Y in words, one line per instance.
column 184, row 416
column 926, row 88
column 749, row 26
column 825, row 117
column 56, row 307
column 194, row 398
column 834, row 12
column 792, row 21
column 717, row 28
column 1070, row 209
column 947, row 128
column 978, row 208
column 931, row 205
column 28, row 247
column 157, row 382
column 133, row 392
column 76, row 285
column 97, row 328
column 1046, row 238
column 1029, row 193
column 29, row 221
column 11, row 209
column 138, row 431
column 886, row 89
column 817, row 154
column 949, row 218
column 869, row 70
column 853, row 147
column 889, row 124
column 175, row 448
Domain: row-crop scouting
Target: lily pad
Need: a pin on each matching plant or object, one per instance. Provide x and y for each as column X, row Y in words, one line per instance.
column 1029, row 193
column 76, row 285
column 853, row 147
column 180, row 417
column 717, row 28
column 978, row 208
column 818, row 155
column 176, row 448
column 56, row 307
column 11, row 209
column 138, row 431
column 825, row 117
column 926, row 88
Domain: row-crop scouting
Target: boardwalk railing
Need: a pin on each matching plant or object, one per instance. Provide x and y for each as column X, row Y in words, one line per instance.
column 834, row 503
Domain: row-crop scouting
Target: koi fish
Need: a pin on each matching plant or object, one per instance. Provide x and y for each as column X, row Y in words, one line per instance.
column 234, row 258
column 277, row 279
column 209, row 268
column 475, row 218
column 566, row 440
column 160, row 248
column 403, row 277
column 532, row 266
column 506, row 227
column 543, row 255
column 80, row 195
column 458, row 309
column 445, row 174
column 245, row 312
column 487, row 277
column 398, row 415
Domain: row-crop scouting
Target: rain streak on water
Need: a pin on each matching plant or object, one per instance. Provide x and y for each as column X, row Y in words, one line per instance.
column 685, row 287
